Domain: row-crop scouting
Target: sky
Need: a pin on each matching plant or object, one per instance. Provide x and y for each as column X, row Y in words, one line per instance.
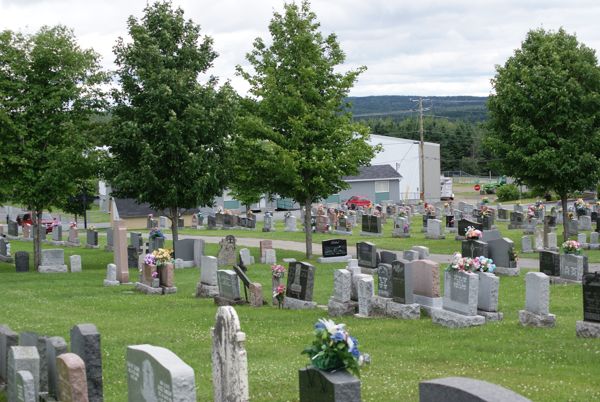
column 416, row 47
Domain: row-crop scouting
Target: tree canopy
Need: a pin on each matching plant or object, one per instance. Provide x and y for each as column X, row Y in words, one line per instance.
column 170, row 137
column 545, row 114
column 296, row 122
column 49, row 90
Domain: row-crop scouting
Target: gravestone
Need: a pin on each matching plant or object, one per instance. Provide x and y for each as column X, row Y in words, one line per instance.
column 590, row 326
column 572, row 227
column 270, row 257
column 109, row 239
column 526, row 244
column 229, row 360
column 13, row 228
column 435, row 230
column 594, row 241
column 503, row 214
column 72, row 380
column 85, row 342
column 474, row 248
column 211, row 222
column 464, row 224
column 462, row 389
column 246, row 258
column 226, row 255
column 550, row 263
column 157, row 374
column 402, row 282
column 22, row 261
column 26, row 391
column 552, row 241
column 91, row 238
column 426, row 283
column 268, row 222
column 365, row 295
column 487, row 299
column 111, row 276
column 585, row 223
column 5, row 251
column 156, row 242
column 22, row 358
column 132, row 257
column 229, row 285
column 410, row 255
column 516, row 220
column 387, row 257
column 371, row 225
column 537, row 301
column 422, row 250
column 461, row 292
column 341, row 302
column 75, row 262
column 8, row 338
column 384, row 280
column 334, row 250
column 53, row 260
column 136, row 240
column 73, row 235
column 366, row 253
column 501, row 250
column 290, row 223
column 120, row 253
column 39, row 342
column 55, row 346
column 208, row 284
column 572, row 267
column 263, row 245
column 300, row 281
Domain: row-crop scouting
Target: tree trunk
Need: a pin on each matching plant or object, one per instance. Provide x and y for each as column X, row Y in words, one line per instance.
column 563, row 202
column 174, row 218
column 308, row 226
column 37, row 238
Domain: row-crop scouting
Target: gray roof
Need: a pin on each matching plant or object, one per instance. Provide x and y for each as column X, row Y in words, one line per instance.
column 375, row 172
column 130, row 208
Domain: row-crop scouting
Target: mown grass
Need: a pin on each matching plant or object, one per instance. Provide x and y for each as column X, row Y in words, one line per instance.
column 542, row 364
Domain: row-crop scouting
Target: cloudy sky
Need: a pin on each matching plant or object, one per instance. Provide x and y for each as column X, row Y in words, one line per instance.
column 423, row 47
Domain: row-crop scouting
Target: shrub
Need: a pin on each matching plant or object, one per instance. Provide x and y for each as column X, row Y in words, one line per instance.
column 507, row 192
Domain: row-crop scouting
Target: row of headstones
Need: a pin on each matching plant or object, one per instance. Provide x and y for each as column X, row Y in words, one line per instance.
column 34, row 366
column 563, row 267
column 57, row 234
column 493, row 245
column 52, row 261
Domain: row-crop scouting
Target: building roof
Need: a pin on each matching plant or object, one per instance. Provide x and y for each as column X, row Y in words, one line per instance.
column 375, row 172
column 390, row 141
column 129, row 208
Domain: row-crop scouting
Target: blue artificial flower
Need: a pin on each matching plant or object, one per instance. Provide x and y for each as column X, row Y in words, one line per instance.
column 355, row 352
column 338, row 337
column 319, row 325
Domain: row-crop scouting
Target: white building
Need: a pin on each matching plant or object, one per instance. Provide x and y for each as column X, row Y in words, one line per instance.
column 404, row 156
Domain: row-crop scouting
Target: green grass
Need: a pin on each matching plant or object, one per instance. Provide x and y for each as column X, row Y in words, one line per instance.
column 542, row 364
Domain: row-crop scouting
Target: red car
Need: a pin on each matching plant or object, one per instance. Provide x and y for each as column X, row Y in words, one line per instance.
column 47, row 220
column 357, row 201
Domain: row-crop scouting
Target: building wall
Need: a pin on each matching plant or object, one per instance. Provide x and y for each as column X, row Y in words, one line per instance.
column 367, row 189
column 432, row 172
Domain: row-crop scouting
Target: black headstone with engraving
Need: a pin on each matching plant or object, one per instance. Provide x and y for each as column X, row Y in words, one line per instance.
column 386, row 257
column 384, row 275
column 449, row 221
column 22, row 261
column 474, row 248
column 463, row 224
column 132, row 257
column 328, row 386
column 334, row 248
column 366, row 253
column 399, row 282
column 301, row 280
column 227, row 221
column 591, row 297
column 92, row 237
column 550, row 263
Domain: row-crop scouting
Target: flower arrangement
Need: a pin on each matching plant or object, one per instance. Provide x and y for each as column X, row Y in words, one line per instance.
column 539, row 206
column 571, row 247
column 570, row 215
column 277, row 271
column 473, row 234
column 73, row 224
column 531, row 211
column 334, row 348
column 279, row 294
column 468, row 264
column 155, row 232
column 430, row 210
column 485, row 210
column 485, row 200
column 91, row 227
column 406, row 228
column 513, row 256
column 159, row 257
column 580, row 203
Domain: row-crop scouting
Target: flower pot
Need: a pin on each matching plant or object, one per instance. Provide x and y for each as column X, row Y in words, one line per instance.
column 328, row 386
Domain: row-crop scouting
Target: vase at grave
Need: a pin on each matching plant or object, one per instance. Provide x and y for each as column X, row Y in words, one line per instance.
column 275, row 282
column 166, row 274
column 147, row 271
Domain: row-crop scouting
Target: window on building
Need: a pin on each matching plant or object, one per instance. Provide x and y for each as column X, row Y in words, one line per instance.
column 382, row 186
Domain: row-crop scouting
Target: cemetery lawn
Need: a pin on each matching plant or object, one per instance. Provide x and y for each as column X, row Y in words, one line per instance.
column 417, row 238
column 541, row 364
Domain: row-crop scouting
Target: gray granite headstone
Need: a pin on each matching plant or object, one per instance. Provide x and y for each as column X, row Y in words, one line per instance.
column 386, row 257
column 422, row 250
column 85, row 342
column 8, row 338
column 22, row 261
column 325, row 386
column 461, row 292
column 157, row 374
column 537, row 293
column 75, row 261
column 488, row 290
column 39, row 342
column 366, row 253
column 229, row 285
column 365, row 295
column 184, row 249
column 26, row 391
column 384, row 275
column 53, row 260
column 55, row 346
column 410, row 255
column 208, row 272
column 550, row 263
column 461, row 389
column 342, row 285
column 24, row 358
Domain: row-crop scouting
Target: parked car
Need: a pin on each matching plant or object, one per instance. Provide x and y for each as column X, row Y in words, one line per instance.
column 47, row 220
column 357, row 201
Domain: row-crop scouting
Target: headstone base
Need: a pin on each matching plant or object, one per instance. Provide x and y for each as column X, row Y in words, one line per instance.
column 4, row 258
column 435, row 237
column 371, row 234
column 593, row 246
column 557, row 280
column 587, row 329
column 403, row 311
column 428, row 303
column 187, row 264
column 452, row 230
column 111, row 283
column 207, row 291
column 71, row 244
column 504, row 271
column 529, row 319
column 450, row 319
column 511, row 227
column 149, row 290
column 491, row 315
column 169, row 290
column 324, row 386
column 58, row 243
column 297, row 304
column 222, row 301
column 343, row 232
column 109, row 248
column 50, row 269
column 91, row 246
column 330, row 260
column 461, row 238
column 400, row 235
column 336, row 308
column 267, row 230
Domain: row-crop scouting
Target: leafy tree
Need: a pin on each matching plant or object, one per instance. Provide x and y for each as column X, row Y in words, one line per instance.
column 545, row 114
column 298, row 119
column 169, row 144
column 49, row 89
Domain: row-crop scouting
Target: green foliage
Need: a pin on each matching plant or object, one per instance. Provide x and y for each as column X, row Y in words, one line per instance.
column 169, row 142
column 296, row 116
column 507, row 192
column 49, row 90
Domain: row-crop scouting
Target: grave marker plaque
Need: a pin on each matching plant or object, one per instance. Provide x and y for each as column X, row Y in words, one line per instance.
column 334, row 248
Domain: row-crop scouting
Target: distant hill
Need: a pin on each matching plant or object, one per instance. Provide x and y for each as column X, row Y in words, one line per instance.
column 471, row 108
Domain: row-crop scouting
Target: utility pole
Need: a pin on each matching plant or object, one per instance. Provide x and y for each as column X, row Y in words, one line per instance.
column 421, row 148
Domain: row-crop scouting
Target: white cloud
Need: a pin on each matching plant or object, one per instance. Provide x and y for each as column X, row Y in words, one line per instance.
column 415, row 48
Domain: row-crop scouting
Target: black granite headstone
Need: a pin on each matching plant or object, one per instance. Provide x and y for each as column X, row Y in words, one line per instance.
column 463, row 224
column 85, row 342
column 384, row 275
column 366, row 253
column 474, row 248
column 550, row 263
column 300, row 282
column 92, row 238
column 22, row 261
column 386, row 257
column 328, row 386
column 399, row 282
column 591, row 297
column 334, row 248
column 449, row 221
column 132, row 257
column 227, row 221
